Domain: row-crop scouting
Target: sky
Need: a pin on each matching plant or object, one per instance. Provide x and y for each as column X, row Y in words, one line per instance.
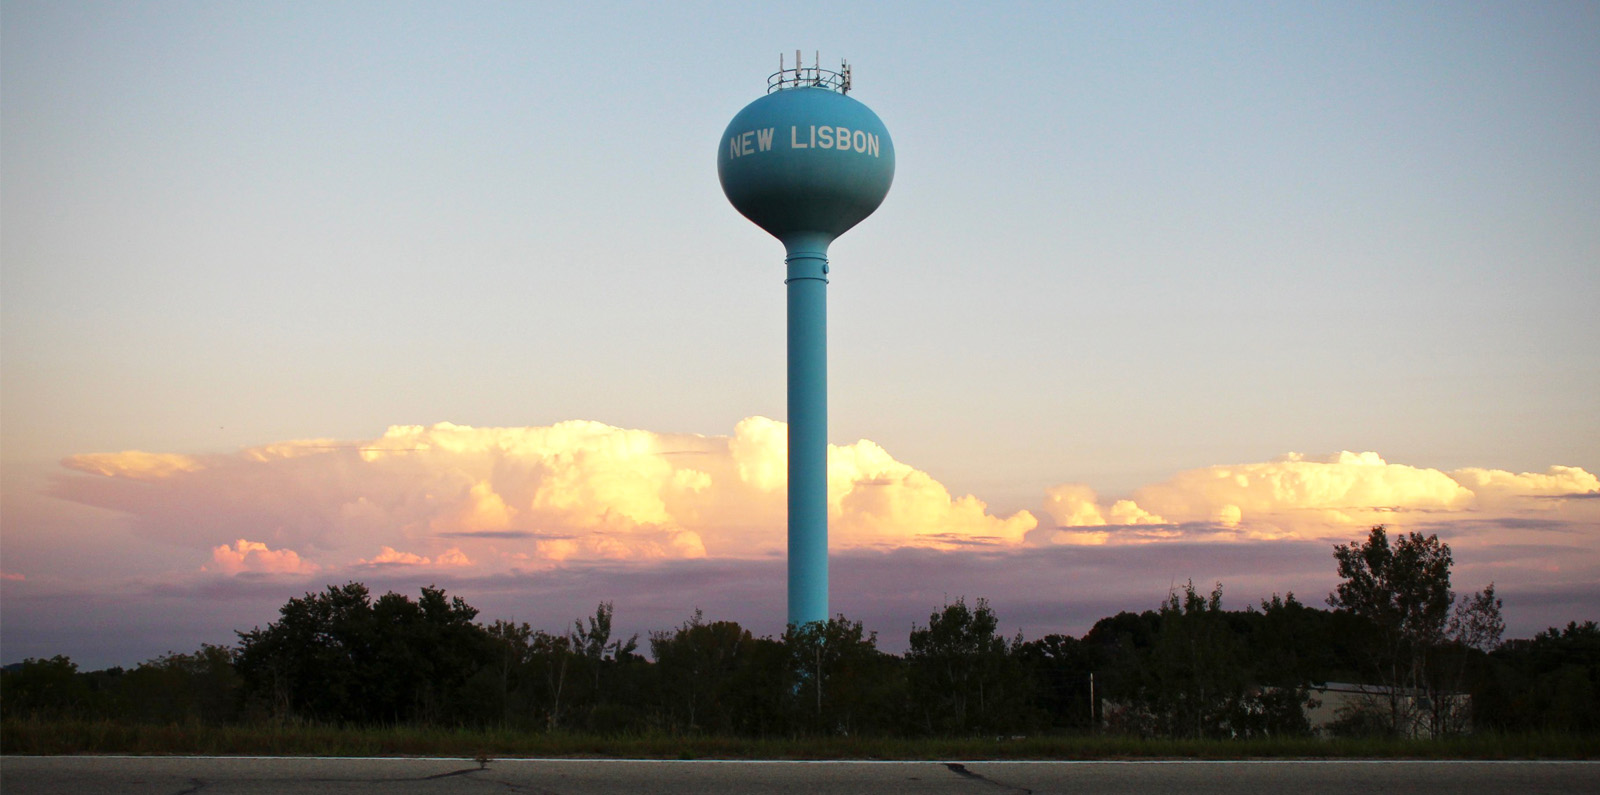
column 403, row 293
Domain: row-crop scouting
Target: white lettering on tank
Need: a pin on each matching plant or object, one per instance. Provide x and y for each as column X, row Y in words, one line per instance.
column 842, row 139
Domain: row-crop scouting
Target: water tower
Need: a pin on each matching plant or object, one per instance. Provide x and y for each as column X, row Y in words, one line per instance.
column 806, row 163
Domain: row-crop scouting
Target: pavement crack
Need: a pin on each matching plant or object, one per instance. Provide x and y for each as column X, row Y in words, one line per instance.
column 435, row 777
column 486, row 778
column 195, row 785
column 511, row 786
column 514, row 787
column 962, row 771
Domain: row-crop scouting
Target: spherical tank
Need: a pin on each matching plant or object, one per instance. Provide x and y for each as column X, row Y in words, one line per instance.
column 806, row 161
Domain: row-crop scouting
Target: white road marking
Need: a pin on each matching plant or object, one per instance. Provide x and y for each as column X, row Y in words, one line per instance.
column 627, row 761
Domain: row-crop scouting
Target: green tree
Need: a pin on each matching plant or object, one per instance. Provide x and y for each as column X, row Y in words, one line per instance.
column 46, row 688
column 1196, row 676
column 340, row 655
column 1193, row 669
column 307, row 663
column 1550, row 682
column 963, row 672
column 1290, row 647
column 1403, row 593
column 510, row 652
column 842, row 683
column 1059, row 668
column 1291, row 644
column 698, row 665
column 1122, row 645
column 599, row 655
column 430, row 647
column 1474, row 630
column 551, row 663
column 173, row 688
column 1477, row 622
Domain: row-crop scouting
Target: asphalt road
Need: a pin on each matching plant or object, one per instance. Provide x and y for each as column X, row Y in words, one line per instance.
column 227, row 775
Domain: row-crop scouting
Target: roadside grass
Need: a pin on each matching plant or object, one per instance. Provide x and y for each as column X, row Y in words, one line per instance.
column 53, row 737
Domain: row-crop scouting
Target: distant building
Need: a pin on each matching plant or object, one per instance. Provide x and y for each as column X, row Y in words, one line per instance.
column 1331, row 709
column 1338, row 707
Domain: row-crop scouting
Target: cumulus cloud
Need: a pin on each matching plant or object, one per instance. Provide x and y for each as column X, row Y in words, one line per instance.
column 874, row 500
column 524, row 496
column 1493, row 486
column 389, row 556
column 134, row 464
column 1328, row 489
column 502, row 499
column 1299, row 496
column 452, row 557
column 1076, row 505
column 254, row 556
column 555, row 518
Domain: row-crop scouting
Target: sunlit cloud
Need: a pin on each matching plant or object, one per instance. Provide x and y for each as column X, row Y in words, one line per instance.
column 451, row 557
column 484, row 500
column 1492, row 486
column 542, row 522
column 134, row 464
column 874, row 500
column 518, row 497
column 254, row 556
column 389, row 556
column 1076, row 505
column 1299, row 496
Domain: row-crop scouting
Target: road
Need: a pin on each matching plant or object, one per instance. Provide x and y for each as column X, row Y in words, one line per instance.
column 229, row 775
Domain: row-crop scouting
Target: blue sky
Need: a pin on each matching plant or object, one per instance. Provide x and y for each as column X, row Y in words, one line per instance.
column 1125, row 241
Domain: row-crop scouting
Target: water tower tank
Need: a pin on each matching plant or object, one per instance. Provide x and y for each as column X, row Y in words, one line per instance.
column 806, row 160
column 807, row 163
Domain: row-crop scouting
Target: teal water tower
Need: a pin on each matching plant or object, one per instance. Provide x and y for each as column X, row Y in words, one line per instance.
column 807, row 163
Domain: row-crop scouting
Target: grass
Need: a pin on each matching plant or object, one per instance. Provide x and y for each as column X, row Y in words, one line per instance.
column 103, row 737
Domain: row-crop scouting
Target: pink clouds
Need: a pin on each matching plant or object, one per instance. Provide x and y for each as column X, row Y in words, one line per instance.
column 389, row 556
column 1298, row 496
column 451, row 557
column 555, row 518
column 1492, row 486
column 874, row 500
column 253, row 556
column 503, row 499
column 134, row 464
column 1075, row 505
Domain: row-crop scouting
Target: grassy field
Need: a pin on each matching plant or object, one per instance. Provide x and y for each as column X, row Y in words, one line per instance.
column 84, row 737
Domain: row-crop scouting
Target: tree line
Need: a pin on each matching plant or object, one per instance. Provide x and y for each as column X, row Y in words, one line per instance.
column 1187, row 668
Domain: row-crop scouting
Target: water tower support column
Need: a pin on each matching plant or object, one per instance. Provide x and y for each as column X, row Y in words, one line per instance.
column 808, row 430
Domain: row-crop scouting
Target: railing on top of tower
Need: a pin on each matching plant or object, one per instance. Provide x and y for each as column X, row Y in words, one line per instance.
column 813, row 76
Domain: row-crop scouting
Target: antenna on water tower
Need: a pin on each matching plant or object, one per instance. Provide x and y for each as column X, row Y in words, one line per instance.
column 806, row 163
